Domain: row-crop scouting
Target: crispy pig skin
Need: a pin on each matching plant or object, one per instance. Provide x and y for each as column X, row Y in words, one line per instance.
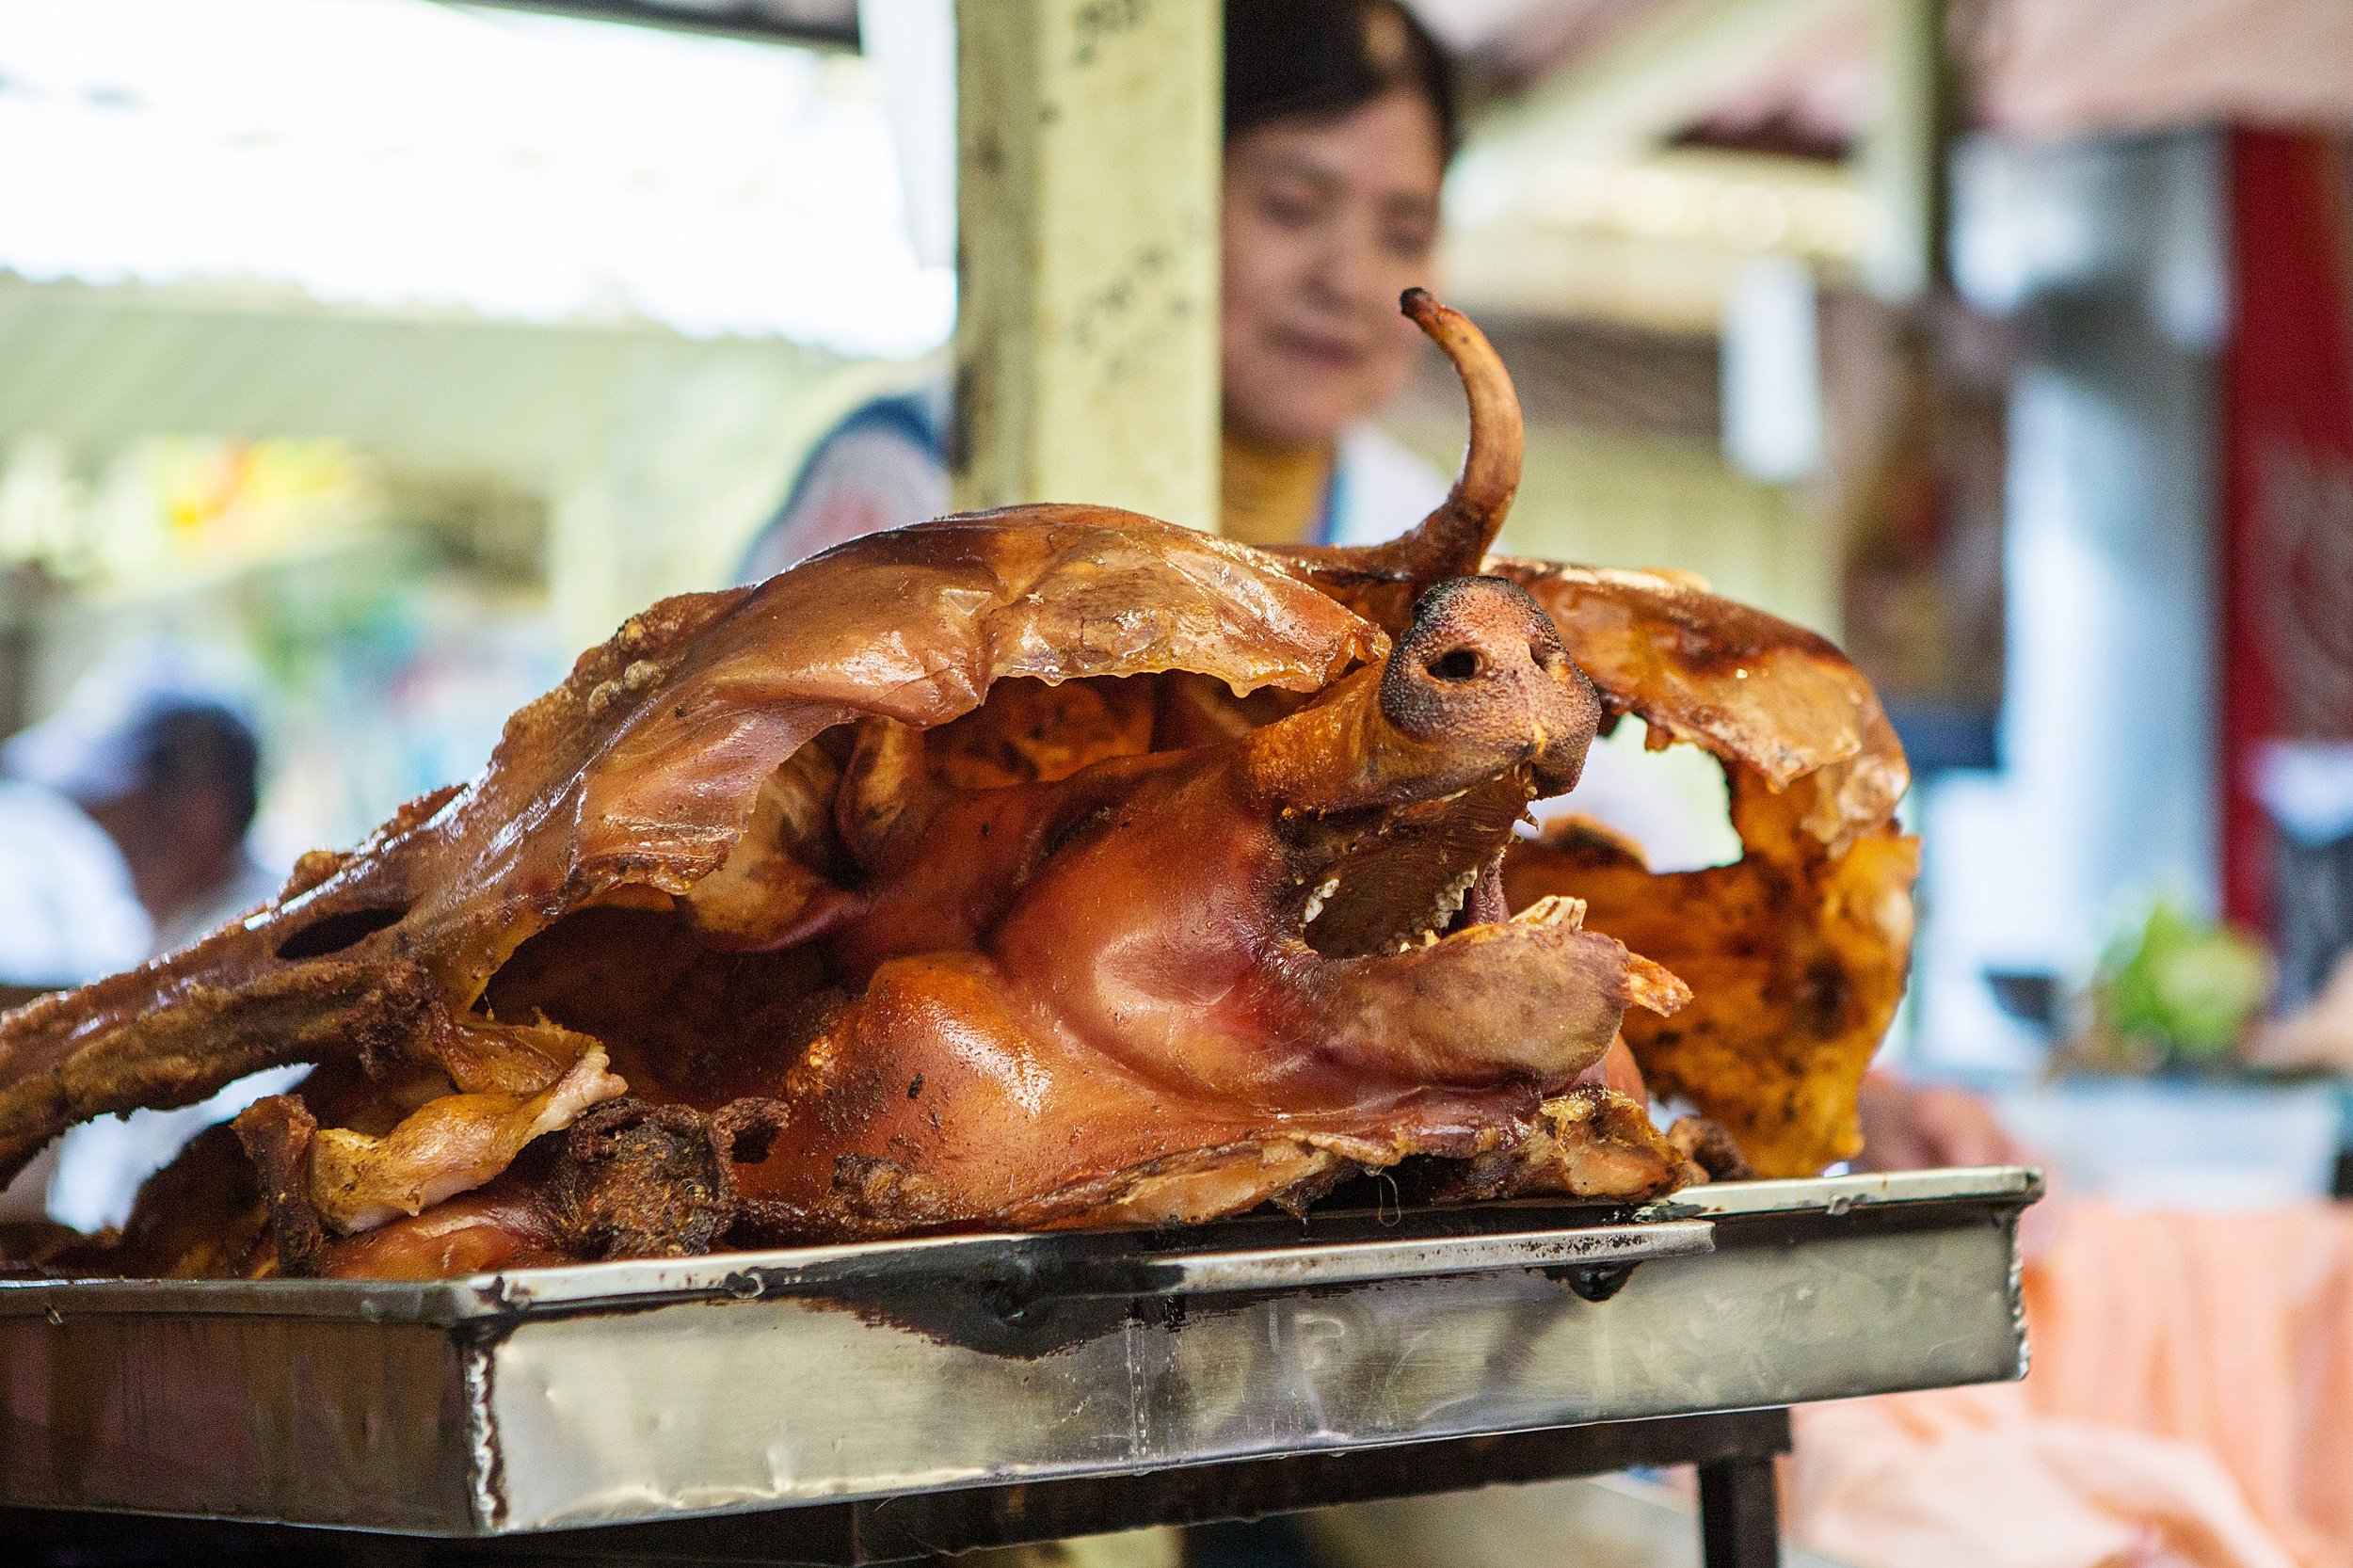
column 1799, row 953
column 1089, row 998
column 1072, row 1000
column 1765, row 696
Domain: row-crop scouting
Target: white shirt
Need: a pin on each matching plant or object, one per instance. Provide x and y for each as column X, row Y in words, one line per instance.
column 100, row 1165
column 68, row 914
column 1379, row 489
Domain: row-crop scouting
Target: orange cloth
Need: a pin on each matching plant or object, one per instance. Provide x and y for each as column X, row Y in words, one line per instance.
column 2191, row 1401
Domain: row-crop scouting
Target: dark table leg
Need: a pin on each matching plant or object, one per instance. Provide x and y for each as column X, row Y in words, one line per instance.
column 1740, row 1527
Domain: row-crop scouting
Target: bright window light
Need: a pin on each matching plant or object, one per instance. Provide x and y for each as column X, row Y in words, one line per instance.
column 403, row 155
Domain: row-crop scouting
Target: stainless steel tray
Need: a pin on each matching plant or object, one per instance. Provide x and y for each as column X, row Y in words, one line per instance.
column 624, row 1392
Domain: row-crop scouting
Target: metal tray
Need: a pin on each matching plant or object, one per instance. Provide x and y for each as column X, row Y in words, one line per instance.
column 612, row 1392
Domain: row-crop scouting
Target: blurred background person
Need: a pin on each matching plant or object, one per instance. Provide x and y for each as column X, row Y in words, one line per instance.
column 68, row 915
column 67, row 910
column 139, row 792
column 1910, row 1126
column 164, row 758
column 1340, row 120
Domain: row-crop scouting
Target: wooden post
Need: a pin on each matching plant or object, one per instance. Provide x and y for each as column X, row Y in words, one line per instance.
column 1903, row 150
column 1088, row 156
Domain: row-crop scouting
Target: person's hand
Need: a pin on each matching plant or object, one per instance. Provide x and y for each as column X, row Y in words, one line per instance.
column 1913, row 1126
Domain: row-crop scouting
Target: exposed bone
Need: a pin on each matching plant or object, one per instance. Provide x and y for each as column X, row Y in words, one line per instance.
column 452, row 1145
column 1556, row 909
column 770, row 892
column 1651, row 986
column 885, row 778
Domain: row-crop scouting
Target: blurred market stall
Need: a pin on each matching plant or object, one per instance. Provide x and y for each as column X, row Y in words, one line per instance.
column 406, row 348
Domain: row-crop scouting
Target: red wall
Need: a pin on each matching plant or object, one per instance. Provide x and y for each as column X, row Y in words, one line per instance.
column 2287, row 555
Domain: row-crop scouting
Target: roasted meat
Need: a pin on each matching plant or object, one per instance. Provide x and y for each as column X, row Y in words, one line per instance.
column 1041, row 868
column 1796, row 953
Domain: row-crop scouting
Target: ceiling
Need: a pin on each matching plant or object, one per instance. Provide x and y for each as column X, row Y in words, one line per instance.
column 2043, row 68
column 2050, row 68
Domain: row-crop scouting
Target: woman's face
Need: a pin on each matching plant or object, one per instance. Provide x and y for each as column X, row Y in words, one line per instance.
column 1326, row 223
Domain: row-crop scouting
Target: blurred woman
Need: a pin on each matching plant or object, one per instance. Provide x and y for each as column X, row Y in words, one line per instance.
column 1339, row 123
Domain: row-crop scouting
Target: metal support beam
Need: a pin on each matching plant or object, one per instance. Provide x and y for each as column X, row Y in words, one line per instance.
column 1088, row 151
column 1738, row 1444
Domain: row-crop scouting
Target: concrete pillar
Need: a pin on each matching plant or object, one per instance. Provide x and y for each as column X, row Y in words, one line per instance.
column 1089, row 150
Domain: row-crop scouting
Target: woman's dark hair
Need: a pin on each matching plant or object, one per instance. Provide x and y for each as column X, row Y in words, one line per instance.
column 1321, row 59
column 194, row 744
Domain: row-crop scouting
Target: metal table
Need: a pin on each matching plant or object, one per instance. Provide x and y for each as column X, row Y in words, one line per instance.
column 880, row 1401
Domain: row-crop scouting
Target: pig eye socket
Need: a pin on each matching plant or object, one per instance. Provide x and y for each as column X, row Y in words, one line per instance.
column 332, row 933
column 1460, row 665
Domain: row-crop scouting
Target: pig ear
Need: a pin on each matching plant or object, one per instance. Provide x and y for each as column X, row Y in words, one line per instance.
column 1452, row 540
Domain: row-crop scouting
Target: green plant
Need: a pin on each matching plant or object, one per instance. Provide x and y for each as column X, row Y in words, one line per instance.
column 2187, row 985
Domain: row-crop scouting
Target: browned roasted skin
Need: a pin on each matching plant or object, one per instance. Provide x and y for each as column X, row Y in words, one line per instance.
column 1093, row 999
column 1042, row 868
column 1797, row 952
column 1213, row 1056
column 1763, row 696
column 1082, row 999
column 636, row 779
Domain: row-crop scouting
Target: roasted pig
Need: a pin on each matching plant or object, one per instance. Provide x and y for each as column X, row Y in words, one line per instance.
column 1041, row 868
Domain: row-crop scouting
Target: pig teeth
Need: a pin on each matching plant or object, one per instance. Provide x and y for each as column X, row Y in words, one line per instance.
column 1554, row 909
column 1451, row 900
column 1315, row 899
column 1424, row 933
